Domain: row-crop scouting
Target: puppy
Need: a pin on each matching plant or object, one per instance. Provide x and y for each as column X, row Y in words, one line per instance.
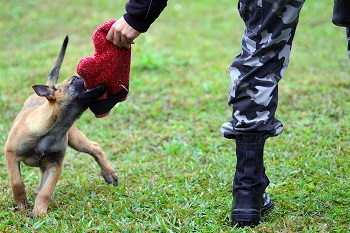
column 43, row 129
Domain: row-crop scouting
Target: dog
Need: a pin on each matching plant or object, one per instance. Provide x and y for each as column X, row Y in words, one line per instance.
column 42, row 130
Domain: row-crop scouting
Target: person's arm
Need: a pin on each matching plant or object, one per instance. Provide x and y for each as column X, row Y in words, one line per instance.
column 139, row 16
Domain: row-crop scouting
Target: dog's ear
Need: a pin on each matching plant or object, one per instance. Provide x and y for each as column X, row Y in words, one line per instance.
column 45, row 91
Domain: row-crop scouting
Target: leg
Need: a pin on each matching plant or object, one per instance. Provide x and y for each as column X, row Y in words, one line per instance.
column 47, row 185
column 78, row 141
column 255, row 72
column 43, row 178
column 17, row 185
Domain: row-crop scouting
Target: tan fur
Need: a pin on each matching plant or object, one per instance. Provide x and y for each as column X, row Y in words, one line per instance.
column 40, row 134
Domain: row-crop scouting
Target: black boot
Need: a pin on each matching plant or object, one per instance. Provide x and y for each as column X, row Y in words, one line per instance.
column 248, row 207
column 341, row 17
column 249, row 199
column 341, row 13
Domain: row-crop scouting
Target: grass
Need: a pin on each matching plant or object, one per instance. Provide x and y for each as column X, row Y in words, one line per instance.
column 175, row 169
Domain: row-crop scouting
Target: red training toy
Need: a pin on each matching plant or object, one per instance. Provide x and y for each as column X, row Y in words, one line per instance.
column 110, row 66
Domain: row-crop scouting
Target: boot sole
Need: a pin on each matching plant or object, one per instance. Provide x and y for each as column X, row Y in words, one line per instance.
column 249, row 217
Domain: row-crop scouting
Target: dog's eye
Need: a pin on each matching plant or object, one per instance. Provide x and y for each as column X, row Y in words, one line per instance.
column 57, row 88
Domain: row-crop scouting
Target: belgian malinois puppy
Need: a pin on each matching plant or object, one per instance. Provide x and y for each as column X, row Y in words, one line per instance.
column 43, row 129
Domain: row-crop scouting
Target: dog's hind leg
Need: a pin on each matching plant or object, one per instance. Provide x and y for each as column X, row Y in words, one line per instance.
column 17, row 185
column 47, row 185
column 78, row 141
column 43, row 178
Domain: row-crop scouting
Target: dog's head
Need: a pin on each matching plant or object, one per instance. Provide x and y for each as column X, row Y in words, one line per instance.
column 70, row 91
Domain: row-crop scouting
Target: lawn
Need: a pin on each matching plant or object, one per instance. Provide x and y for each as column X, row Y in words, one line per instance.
column 175, row 169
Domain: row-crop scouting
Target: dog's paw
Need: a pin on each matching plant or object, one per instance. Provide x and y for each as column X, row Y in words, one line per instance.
column 38, row 212
column 111, row 178
column 35, row 214
column 20, row 206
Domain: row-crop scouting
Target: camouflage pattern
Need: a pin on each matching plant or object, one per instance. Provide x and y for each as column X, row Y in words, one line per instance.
column 255, row 72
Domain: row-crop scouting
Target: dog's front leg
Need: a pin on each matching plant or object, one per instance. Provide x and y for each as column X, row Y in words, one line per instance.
column 78, row 141
column 17, row 185
column 47, row 185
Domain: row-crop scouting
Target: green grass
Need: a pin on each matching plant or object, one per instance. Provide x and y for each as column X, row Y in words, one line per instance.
column 175, row 169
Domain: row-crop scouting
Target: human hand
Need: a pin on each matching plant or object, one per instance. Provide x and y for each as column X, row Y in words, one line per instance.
column 122, row 34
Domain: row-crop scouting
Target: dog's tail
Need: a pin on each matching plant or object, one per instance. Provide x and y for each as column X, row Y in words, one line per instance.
column 53, row 76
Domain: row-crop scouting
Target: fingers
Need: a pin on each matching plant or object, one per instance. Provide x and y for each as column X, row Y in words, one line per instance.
column 110, row 35
column 124, row 42
column 114, row 35
column 122, row 34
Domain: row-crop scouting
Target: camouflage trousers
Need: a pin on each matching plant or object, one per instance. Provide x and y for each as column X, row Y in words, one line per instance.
column 266, row 44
